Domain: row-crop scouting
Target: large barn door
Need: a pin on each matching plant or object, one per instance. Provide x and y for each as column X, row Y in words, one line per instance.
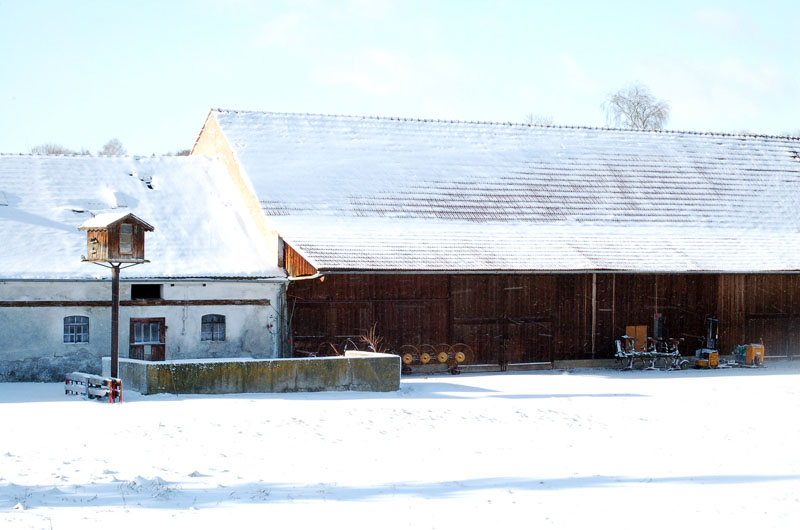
column 526, row 302
column 527, row 342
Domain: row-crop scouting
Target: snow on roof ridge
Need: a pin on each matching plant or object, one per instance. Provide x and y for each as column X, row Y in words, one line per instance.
column 87, row 157
column 63, row 155
column 512, row 124
column 82, row 155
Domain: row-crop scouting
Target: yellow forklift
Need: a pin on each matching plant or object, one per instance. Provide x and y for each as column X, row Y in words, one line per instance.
column 707, row 356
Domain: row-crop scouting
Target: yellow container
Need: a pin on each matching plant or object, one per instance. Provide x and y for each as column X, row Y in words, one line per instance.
column 639, row 334
column 754, row 354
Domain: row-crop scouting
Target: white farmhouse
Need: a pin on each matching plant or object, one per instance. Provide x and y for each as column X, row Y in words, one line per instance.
column 211, row 287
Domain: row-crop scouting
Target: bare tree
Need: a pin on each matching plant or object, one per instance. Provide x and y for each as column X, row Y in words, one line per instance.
column 113, row 148
column 539, row 119
column 373, row 341
column 636, row 107
column 181, row 152
column 51, row 149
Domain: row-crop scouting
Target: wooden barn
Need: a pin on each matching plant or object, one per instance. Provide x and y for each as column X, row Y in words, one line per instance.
column 525, row 243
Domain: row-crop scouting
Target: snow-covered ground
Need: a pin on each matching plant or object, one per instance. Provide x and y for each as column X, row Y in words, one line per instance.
column 585, row 449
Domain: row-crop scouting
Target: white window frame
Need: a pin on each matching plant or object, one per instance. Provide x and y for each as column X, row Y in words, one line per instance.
column 76, row 329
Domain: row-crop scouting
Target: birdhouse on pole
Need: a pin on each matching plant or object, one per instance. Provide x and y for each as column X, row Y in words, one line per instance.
column 115, row 237
column 116, row 241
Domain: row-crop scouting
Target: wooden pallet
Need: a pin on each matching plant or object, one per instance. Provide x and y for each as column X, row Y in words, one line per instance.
column 93, row 386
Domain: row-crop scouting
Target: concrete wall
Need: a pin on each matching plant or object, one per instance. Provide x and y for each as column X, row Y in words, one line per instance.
column 31, row 338
column 367, row 372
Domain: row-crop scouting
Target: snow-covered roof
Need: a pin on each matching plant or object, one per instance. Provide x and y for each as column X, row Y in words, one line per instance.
column 353, row 193
column 201, row 228
column 105, row 220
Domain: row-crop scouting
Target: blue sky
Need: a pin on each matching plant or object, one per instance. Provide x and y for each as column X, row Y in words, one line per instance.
column 146, row 72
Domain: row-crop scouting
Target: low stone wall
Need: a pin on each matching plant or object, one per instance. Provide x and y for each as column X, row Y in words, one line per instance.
column 360, row 371
column 48, row 368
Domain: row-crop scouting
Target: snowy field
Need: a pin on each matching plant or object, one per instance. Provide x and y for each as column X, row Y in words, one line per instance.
column 584, row 449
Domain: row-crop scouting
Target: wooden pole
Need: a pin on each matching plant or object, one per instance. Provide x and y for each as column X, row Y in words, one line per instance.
column 115, row 320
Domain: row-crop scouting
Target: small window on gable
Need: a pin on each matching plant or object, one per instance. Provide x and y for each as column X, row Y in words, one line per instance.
column 76, row 330
column 126, row 239
column 212, row 327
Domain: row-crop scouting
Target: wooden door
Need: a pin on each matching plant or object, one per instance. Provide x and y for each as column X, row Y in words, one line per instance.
column 527, row 341
column 148, row 339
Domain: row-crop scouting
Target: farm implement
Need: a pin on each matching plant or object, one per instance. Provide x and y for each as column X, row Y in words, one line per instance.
column 743, row 356
column 451, row 355
column 638, row 351
column 660, row 355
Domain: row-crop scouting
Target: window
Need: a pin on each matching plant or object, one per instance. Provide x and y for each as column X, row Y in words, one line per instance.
column 76, row 330
column 212, row 327
column 146, row 291
column 126, row 239
column 146, row 333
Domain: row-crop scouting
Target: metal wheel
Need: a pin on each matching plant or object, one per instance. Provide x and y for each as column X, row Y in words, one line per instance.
column 461, row 352
column 442, row 351
column 426, row 353
column 409, row 353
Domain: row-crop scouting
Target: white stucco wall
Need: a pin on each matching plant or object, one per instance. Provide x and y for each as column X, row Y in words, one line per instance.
column 33, row 336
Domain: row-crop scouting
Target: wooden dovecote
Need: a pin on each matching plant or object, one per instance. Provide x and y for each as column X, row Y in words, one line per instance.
column 115, row 237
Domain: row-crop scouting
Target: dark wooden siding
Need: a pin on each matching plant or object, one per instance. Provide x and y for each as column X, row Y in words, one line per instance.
column 295, row 264
column 530, row 318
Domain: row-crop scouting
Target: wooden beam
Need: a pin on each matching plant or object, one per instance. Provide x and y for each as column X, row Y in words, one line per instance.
column 129, row 303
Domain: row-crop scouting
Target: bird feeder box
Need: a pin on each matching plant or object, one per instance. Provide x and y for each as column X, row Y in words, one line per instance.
column 115, row 237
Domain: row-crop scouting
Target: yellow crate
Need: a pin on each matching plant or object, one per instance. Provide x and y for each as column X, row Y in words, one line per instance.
column 639, row 333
